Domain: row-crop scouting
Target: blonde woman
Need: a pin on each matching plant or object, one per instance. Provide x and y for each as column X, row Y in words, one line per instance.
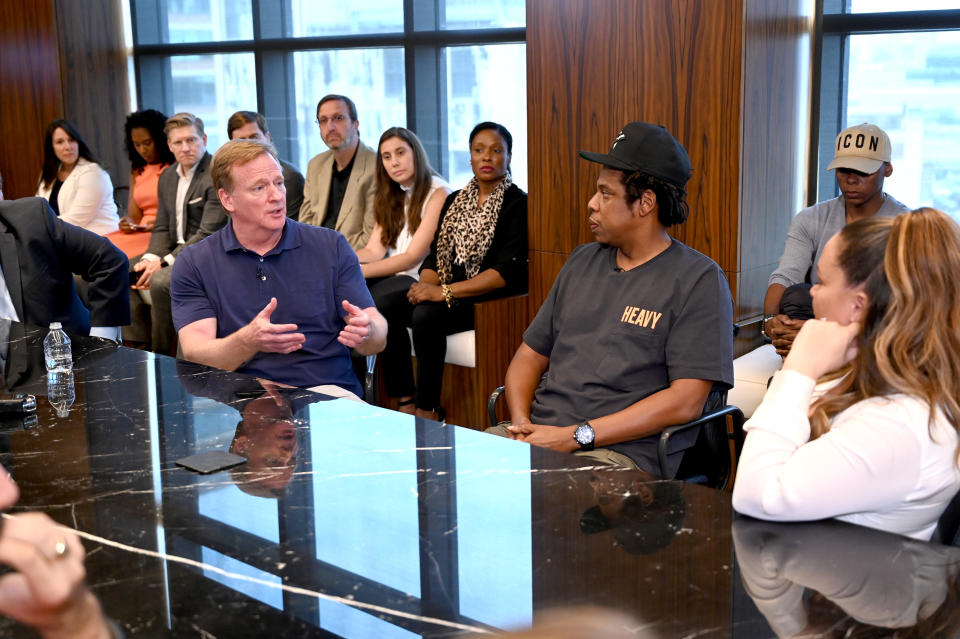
column 862, row 422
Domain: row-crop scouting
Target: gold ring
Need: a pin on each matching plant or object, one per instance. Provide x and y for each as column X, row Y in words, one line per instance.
column 60, row 549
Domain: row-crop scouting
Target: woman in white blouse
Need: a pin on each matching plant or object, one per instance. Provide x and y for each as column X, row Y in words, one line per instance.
column 78, row 189
column 862, row 422
column 406, row 207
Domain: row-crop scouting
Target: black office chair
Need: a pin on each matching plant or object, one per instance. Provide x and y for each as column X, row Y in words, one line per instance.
column 948, row 527
column 708, row 461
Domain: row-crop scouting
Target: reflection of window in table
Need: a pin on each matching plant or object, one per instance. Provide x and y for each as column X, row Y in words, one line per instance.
column 494, row 529
column 271, row 595
column 365, row 492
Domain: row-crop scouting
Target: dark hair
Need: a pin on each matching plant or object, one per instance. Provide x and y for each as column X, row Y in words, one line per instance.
column 672, row 207
column 493, row 126
column 153, row 121
column 389, row 199
column 351, row 107
column 242, row 118
column 50, row 162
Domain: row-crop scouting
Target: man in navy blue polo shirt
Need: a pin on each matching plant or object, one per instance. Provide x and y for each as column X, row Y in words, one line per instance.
column 268, row 296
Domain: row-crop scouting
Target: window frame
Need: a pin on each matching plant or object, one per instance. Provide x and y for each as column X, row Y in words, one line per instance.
column 834, row 24
column 423, row 42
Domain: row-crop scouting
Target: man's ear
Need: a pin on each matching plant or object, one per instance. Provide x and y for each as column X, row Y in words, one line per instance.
column 887, row 169
column 645, row 204
column 226, row 200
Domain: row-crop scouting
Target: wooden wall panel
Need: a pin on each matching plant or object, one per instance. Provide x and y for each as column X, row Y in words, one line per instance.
column 775, row 134
column 30, row 86
column 96, row 94
column 669, row 62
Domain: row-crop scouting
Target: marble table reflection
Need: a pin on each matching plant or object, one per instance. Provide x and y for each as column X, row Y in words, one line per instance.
column 349, row 520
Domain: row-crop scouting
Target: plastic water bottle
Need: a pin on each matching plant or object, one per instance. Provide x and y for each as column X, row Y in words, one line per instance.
column 61, row 392
column 56, row 349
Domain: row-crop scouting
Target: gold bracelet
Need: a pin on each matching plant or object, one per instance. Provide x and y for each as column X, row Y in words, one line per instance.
column 447, row 294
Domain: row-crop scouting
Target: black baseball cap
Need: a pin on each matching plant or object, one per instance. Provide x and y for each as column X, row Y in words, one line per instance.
column 648, row 148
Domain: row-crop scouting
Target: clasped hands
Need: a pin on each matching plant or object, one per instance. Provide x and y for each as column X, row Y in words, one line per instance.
column 559, row 438
column 262, row 335
column 422, row 292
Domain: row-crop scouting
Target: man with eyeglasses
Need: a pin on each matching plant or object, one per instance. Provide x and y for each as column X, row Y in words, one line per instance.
column 340, row 184
column 188, row 211
column 861, row 158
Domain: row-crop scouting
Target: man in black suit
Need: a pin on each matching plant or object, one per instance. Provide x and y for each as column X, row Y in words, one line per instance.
column 188, row 211
column 39, row 255
column 250, row 125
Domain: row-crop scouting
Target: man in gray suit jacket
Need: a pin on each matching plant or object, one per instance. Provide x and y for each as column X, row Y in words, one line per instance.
column 188, row 211
column 338, row 192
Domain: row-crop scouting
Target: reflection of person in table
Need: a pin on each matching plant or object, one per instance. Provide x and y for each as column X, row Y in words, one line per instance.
column 643, row 513
column 861, row 579
column 267, row 436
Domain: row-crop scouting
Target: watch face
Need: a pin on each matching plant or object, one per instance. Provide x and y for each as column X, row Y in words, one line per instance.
column 583, row 434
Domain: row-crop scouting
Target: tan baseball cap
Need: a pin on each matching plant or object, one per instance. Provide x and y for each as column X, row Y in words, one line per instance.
column 864, row 147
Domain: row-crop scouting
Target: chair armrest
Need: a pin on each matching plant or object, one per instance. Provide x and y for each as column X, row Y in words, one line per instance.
column 492, row 404
column 664, row 441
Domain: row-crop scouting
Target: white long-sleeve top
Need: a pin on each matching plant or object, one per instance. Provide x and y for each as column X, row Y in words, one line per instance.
column 86, row 198
column 880, row 465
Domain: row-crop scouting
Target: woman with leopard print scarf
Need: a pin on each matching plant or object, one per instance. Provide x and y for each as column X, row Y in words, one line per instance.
column 479, row 253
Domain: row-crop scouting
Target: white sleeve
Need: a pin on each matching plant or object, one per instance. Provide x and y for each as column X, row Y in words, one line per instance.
column 93, row 187
column 869, row 459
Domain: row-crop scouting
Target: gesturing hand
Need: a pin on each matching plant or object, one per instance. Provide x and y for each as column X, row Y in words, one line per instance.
column 264, row 336
column 357, row 327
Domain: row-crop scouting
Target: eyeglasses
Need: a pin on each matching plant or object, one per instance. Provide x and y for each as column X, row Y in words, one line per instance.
column 337, row 119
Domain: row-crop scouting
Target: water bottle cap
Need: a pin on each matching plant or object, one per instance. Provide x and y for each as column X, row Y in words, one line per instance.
column 55, row 326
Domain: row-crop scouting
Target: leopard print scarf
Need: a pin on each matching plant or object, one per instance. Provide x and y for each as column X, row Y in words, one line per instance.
column 467, row 230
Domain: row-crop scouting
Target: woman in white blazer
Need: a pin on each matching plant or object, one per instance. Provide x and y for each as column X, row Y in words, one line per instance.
column 78, row 189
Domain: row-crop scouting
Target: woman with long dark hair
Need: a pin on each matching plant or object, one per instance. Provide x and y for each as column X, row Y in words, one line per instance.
column 77, row 187
column 862, row 422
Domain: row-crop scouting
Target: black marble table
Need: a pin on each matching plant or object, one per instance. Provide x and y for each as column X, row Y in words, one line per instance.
column 350, row 520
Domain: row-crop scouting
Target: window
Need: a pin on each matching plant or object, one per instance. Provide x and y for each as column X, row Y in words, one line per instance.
column 895, row 65
column 435, row 66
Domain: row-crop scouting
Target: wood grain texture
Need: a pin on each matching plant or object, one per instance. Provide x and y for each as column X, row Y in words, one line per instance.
column 669, row 62
column 30, row 86
column 499, row 326
column 96, row 95
column 775, row 135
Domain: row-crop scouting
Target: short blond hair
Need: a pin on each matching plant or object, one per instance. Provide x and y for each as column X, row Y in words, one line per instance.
column 183, row 118
column 235, row 153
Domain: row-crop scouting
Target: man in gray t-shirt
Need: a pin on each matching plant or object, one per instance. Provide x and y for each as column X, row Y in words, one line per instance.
column 638, row 327
column 862, row 161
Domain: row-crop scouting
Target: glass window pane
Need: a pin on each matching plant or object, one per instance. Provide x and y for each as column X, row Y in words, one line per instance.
column 484, row 14
column 373, row 78
column 888, row 6
column 212, row 87
column 906, row 83
column 486, row 83
column 343, row 17
column 209, row 20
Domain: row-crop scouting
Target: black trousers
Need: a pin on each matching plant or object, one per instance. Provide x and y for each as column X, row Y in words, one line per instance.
column 431, row 323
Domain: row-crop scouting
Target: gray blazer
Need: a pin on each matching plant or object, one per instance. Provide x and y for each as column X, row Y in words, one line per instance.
column 204, row 215
column 356, row 213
